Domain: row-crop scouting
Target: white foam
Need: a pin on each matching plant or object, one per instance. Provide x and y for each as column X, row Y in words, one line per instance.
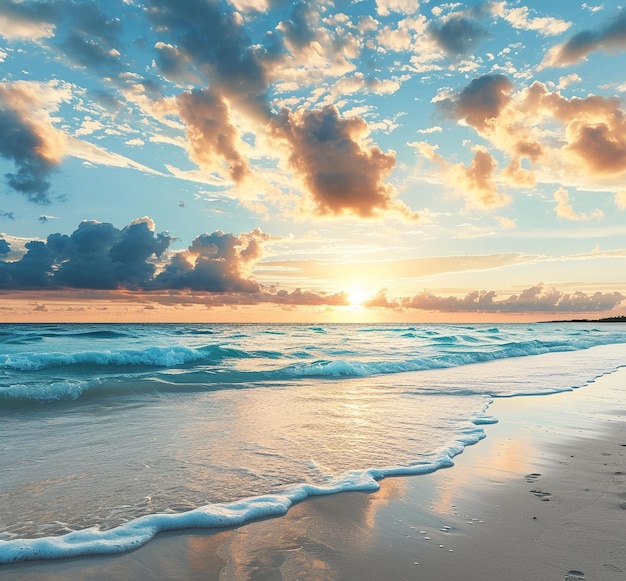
column 131, row 535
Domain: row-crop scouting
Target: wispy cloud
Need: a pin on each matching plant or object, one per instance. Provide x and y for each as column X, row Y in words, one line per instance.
column 565, row 210
column 611, row 37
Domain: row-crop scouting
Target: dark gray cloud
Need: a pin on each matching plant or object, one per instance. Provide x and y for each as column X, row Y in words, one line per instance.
column 214, row 40
column 297, row 29
column 91, row 54
column 107, row 100
column 96, row 256
column 610, row 37
column 458, row 35
column 32, row 271
column 480, row 102
column 30, row 12
column 82, row 31
column 7, row 215
column 171, row 61
column 536, row 299
column 100, row 256
column 23, row 142
column 92, row 40
column 5, row 247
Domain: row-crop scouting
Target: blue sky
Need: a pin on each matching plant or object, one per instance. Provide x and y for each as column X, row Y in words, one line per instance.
column 274, row 160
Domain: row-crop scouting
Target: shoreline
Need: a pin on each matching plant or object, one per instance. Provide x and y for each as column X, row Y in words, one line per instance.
column 541, row 497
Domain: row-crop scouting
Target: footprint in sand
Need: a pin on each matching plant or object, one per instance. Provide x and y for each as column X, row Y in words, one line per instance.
column 532, row 477
column 574, row 576
column 541, row 495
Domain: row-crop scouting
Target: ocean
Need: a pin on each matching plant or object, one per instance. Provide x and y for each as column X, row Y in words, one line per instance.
column 111, row 433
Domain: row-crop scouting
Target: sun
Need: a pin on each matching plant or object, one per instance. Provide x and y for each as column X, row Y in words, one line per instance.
column 357, row 296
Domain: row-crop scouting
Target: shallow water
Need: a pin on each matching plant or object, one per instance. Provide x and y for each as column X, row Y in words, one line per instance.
column 110, row 427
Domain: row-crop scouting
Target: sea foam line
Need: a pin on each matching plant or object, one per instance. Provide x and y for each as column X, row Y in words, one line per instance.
column 134, row 534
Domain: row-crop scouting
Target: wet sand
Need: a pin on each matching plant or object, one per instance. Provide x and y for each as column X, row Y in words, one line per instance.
column 542, row 498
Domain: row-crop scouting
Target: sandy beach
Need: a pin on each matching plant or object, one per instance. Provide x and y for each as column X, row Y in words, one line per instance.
column 542, row 498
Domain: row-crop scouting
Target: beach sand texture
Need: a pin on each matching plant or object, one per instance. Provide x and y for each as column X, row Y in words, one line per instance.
column 542, row 498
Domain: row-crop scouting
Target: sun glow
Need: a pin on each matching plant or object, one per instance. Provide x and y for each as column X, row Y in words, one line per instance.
column 357, row 296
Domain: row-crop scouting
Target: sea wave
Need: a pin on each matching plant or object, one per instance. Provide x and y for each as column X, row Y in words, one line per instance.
column 150, row 357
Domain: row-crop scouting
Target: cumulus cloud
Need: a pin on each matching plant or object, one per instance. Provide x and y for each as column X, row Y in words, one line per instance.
column 475, row 182
column 457, row 35
column 216, row 262
column 214, row 41
column 298, row 29
column 211, row 134
column 29, row 139
column 99, row 256
column 481, row 102
column 96, row 256
column 341, row 171
column 536, row 299
column 565, row 210
column 385, row 7
column 579, row 142
column 608, row 38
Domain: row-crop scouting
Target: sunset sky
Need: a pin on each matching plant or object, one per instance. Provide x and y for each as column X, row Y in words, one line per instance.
column 266, row 160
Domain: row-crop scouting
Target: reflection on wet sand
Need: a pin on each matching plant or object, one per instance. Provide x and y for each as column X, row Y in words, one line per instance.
column 305, row 545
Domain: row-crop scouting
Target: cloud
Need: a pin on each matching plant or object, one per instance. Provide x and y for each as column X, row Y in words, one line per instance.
column 434, row 129
column 545, row 25
column 171, row 61
column 457, row 35
column 393, row 269
column 214, row 41
column 343, row 174
column 28, row 21
column 98, row 155
column 579, row 142
column 28, row 137
column 481, row 102
column 475, row 183
column 303, row 298
column 565, row 210
column 95, row 256
column 620, row 199
column 537, row 299
column 89, row 37
column 216, row 262
column 507, row 223
column 5, row 247
column 7, row 215
column 380, row 300
column 609, row 38
column 298, row 30
column 211, row 134
column 385, row 7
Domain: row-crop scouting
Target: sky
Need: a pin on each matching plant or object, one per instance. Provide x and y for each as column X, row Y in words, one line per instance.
column 269, row 161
